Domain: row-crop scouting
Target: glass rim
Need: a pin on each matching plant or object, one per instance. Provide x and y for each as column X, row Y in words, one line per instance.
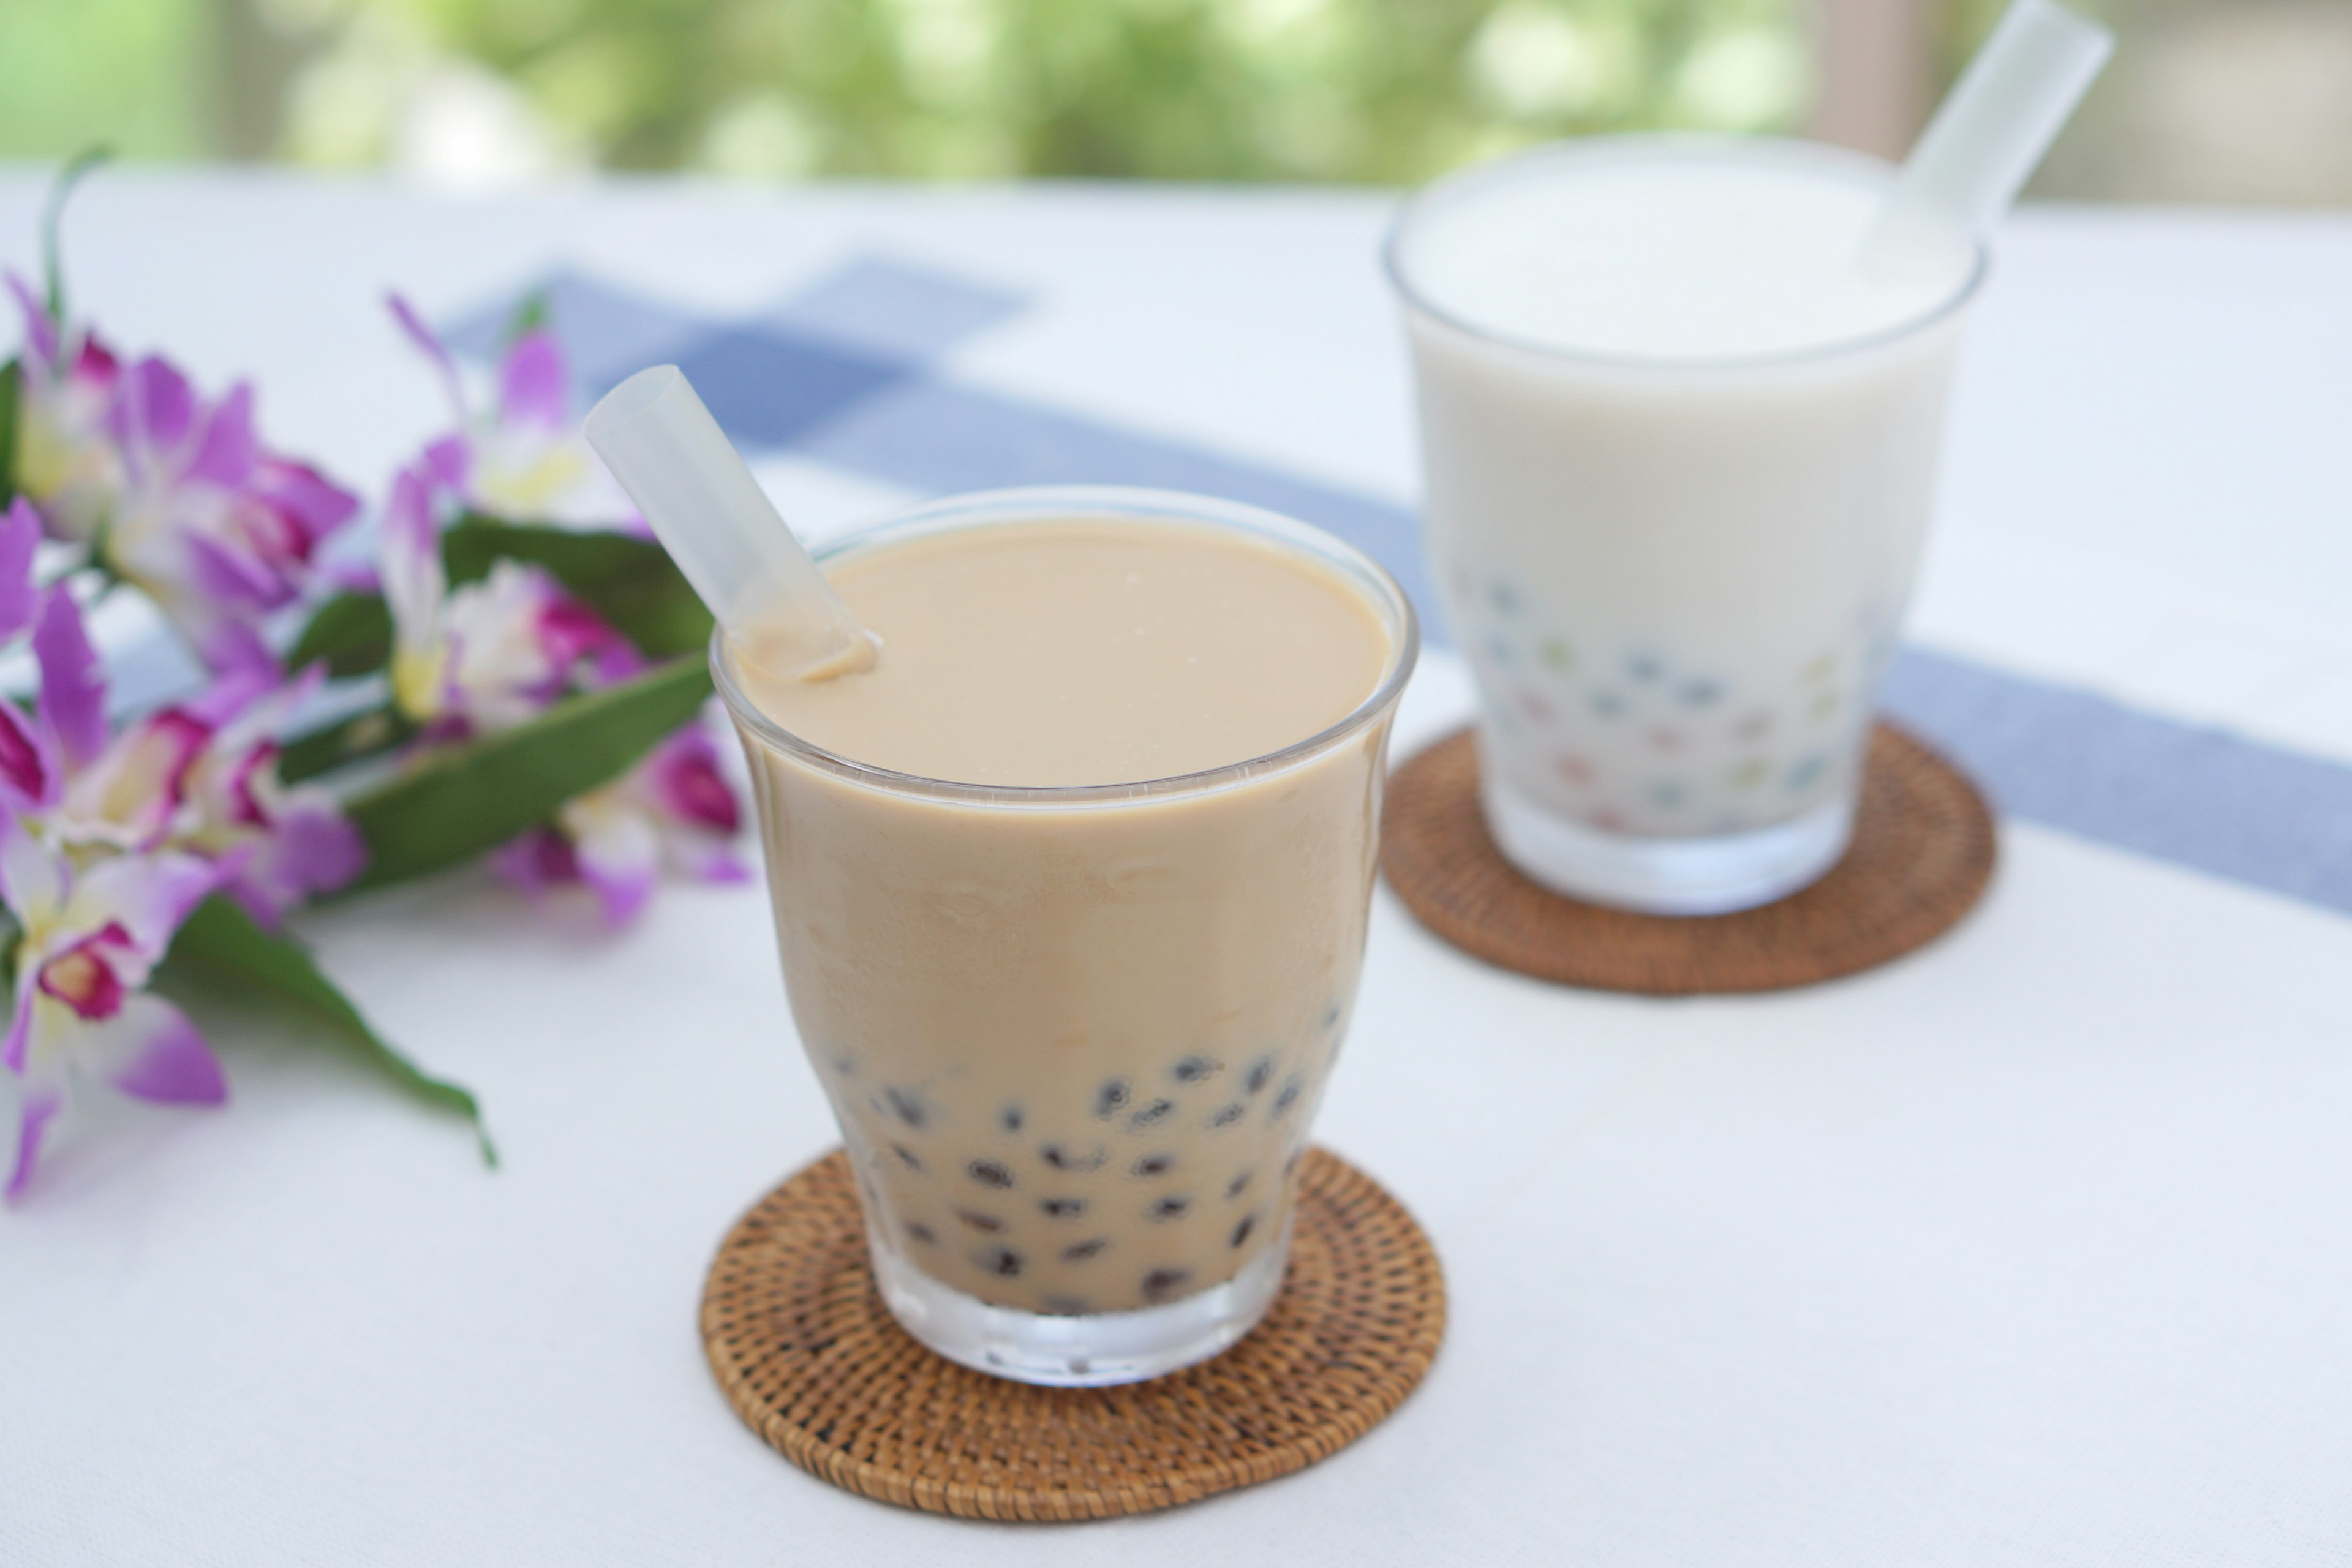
column 1858, row 167
column 1041, row 502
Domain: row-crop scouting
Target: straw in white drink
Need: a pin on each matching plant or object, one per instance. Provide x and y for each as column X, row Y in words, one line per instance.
column 669, row 454
column 1990, row 134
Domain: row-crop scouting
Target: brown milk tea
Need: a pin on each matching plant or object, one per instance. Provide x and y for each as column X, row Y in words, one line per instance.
column 1075, row 1040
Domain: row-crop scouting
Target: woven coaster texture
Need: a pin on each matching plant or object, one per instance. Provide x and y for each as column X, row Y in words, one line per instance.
column 1922, row 854
column 813, row 1360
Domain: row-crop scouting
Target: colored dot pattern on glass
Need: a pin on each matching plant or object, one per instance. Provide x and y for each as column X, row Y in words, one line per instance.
column 1640, row 738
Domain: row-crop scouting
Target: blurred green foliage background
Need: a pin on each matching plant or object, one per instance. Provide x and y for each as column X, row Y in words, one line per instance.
column 2227, row 98
column 1383, row 89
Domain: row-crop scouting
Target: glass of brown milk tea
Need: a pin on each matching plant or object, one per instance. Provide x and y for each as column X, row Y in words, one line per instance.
column 1071, row 893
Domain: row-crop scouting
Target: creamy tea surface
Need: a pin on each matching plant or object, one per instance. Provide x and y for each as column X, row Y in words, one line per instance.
column 1087, row 653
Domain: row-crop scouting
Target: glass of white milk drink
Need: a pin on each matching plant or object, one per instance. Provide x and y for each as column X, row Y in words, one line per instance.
column 1679, row 450
column 1071, row 893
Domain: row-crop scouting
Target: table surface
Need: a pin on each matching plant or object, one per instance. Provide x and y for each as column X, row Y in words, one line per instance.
column 2034, row 1247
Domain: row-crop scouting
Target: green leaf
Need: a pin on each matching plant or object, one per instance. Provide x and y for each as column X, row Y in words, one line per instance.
column 352, row 632
column 351, row 740
column 457, row 804
column 630, row 582
column 10, row 375
column 222, row 942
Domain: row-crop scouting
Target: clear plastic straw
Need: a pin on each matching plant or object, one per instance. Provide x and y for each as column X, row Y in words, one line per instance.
column 669, row 454
column 1989, row 135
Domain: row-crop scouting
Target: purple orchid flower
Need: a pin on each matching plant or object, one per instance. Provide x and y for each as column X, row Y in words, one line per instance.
column 673, row 812
column 525, row 456
column 62, row 766
column 488, row 655
column 288, row 844
column 64, row 457
column 90, row 936
column 216, row 530
column 67, row 731
column 20, row 597
column 493, row 654
column 176, row 494
column 202, row 775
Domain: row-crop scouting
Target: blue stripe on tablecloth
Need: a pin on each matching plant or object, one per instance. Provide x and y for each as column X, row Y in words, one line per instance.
column 837, row 374
column 2194, row 796
column 938, row 436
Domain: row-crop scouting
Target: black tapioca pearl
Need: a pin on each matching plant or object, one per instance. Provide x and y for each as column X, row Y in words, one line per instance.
column 1012, row 1119
column 1168, row 1208
column 917, row 1231
column 1001, row 1261
column 1062, row 1208
column 1194, row 1069
column 1151, row 1115
column 1112, row 1098
column 1234, row 1188
column 1242, row 1231
column 989, row 1174
column 1228, row 1114
column 909, row 1106
column 1331, row 1015
column 1063, row 1159
column 1163, row 1283
column 1155, row 1165
column 1079, row 1251
column 1291, row 1089
column 1260, row 1073
column 907, row 1156
column 979, row 1222
column 845, row 1065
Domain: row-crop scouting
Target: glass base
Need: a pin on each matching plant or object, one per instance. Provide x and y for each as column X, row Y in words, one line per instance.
column 1090, row 1351
column 1666, row 875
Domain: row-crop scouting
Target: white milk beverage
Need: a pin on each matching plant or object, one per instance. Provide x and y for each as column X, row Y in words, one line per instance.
column 1680, row 452
column 1071, row 893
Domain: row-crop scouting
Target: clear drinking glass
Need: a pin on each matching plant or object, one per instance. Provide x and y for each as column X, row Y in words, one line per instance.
column 1678, row 579
column 1075, row 1036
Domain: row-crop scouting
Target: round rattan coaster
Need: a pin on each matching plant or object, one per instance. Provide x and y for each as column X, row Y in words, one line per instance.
column 1922, row 853
column 811, row 1360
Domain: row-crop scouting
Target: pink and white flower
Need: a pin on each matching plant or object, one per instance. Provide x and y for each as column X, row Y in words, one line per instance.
column 65, row 458
column 89, row 939
column 525, row 456
column 173, row 493
column 286, row 844
column 674, row 811
column 489, row 655
column 202, row 775
column 217, row 531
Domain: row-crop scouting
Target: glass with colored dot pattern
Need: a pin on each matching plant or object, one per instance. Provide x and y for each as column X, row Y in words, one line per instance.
column 1678, row 577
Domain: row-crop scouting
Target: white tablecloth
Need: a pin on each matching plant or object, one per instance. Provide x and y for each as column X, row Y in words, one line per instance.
column 2033, row 1248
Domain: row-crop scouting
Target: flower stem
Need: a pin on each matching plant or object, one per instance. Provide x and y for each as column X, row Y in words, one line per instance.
column 53, row 214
